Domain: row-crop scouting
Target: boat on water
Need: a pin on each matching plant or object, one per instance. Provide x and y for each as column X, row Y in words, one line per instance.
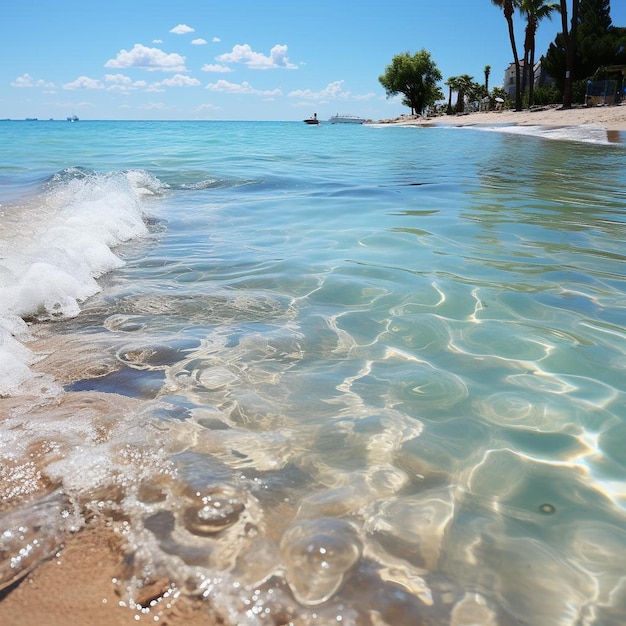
column 312, row 120
column 347, row 119
column 72, row 118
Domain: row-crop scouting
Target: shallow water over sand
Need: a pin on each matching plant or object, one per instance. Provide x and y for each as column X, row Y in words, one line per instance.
column 347, row 375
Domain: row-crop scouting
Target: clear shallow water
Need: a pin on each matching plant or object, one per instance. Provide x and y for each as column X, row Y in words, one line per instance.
column 357, row 375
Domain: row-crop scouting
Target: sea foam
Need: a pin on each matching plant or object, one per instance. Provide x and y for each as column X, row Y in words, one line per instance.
column 55, row 246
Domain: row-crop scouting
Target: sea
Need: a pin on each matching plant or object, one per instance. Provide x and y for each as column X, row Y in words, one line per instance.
column 338, row 374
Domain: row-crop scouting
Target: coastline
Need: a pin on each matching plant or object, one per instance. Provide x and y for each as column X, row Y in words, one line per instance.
column 611, row 118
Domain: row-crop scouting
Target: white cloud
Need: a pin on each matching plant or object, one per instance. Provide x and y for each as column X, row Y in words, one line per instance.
column 182, row 29
column 256, row 60
column 84, row 82
column 179, row 80
column 216, row 40
column 224, row 86
column 208, row 107
column 157, row 41
column 199, row 42
column 365, row 96
column 26, row 80
column 332, row 91
column 155, row 106
column 216, row 68
column 123, row 83
column 151, row 59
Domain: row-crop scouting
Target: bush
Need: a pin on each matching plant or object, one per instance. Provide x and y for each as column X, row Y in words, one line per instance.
column 579, row 91
column 547, row 95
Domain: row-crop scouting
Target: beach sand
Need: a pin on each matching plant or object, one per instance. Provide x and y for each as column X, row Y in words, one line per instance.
column 77, row 588
column 612, row 118
column 78, row 585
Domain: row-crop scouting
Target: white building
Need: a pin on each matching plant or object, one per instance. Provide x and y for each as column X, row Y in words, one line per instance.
column 540, row 76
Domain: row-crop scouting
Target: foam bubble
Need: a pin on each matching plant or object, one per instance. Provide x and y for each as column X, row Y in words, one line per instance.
column 317, row 555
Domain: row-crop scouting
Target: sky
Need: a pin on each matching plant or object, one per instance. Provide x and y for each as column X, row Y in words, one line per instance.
column 239, row 59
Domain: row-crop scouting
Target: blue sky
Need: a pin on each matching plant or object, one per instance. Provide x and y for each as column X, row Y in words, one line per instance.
column 238, row 60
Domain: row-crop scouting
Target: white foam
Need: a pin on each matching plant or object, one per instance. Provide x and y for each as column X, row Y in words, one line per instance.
column 586, row 133
column 53, row 249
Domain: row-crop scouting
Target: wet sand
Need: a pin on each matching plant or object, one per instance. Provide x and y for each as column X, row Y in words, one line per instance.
column 82, row 584
column 78, row 587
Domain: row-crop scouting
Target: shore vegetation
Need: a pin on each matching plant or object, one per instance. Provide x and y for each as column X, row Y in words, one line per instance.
column 414, row 76
column 588, row 49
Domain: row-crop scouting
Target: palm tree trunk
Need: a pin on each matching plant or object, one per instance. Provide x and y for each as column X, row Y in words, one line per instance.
column 525, row 73
column 508, row 13
column 531, row 84
column 569, row 38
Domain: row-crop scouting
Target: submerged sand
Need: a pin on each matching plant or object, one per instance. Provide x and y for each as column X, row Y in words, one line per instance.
column 612, row 118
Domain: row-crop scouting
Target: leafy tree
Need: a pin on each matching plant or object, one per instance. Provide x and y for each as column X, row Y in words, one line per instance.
column 415, row 77
column 465, row 86
column 487, row 71
column 593, row 41
column 585, row 44
column 508, row 8
column 534, row 11
column 498, row 92
column 453, row 84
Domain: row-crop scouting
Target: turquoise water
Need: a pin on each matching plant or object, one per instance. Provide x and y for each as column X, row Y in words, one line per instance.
column 334, row 374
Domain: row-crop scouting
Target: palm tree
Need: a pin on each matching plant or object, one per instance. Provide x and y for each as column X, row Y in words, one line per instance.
column 534, row 11
column 508, row 7
column 453, row 84
column 464, row 86
column 487, row 72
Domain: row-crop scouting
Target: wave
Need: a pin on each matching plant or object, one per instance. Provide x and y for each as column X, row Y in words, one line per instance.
column 53, row 247
column 587, row 133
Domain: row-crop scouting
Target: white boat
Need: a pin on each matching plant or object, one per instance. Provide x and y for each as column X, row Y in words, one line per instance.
column 346, row 119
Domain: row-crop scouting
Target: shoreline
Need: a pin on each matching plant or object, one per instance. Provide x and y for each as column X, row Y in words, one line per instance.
column 610, row 117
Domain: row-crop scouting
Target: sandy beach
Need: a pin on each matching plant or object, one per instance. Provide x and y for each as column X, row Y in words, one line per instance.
column 612, row 118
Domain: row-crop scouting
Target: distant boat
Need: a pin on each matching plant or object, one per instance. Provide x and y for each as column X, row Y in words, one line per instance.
column 72, row 118
column 346, row 119
column 312, row 120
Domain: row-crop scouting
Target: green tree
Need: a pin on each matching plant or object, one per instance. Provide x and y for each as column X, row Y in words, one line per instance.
column 534, row 11
column 508, row 8
column 594, row 42
column 586, row 43
column 487, row 71
column 465, row 87
column 498, row 92
column 415, row 77
column 453, row 84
